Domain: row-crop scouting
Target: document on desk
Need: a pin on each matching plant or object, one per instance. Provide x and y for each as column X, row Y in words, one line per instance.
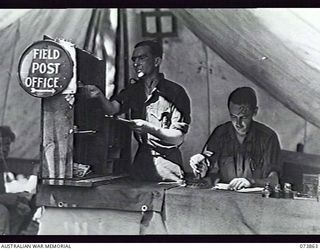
column 250, row 190
column 225, row 186
column 221, row 186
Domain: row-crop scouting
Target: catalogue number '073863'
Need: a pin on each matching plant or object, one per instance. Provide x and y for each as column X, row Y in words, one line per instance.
column 309, row 245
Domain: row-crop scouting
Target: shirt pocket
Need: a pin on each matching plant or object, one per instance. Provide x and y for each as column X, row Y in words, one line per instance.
column 160, row 115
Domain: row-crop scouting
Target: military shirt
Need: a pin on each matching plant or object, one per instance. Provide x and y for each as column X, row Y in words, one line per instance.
column 255, row 158
column 168, row 106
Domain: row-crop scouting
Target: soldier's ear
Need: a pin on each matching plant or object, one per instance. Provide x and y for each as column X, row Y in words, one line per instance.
column 255, row 111
column 157, row 61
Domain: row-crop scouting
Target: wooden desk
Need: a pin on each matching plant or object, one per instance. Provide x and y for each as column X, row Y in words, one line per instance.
column 185, row 211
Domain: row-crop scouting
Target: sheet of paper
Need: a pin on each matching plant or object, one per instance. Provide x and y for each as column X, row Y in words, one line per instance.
column 250, row 190
column 120, row 119
column 221, row 186
column 125, row 120
column 224, row 186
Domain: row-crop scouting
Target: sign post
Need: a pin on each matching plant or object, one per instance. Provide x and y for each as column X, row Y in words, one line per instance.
column 45, row 69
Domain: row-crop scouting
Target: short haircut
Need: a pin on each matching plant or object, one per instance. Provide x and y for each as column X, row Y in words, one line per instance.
column 243, row 95
column 5, row 131
column 154, row 45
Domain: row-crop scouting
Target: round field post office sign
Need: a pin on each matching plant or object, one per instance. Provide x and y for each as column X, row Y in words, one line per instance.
column 45, row 69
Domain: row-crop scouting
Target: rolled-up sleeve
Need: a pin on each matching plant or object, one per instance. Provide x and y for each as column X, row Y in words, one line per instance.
column 181, row 117
column 178, row 121
column 124, row 99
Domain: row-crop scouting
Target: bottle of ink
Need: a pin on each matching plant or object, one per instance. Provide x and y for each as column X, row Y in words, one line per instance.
column 266, row 192
column 277, row 191
column 287, row 191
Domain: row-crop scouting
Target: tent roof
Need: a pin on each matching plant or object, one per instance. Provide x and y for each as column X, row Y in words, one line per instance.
column 274, row 48
column 9, row 16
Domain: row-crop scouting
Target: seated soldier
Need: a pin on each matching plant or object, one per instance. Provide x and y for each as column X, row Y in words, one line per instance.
column 16, row 209
column 242, row 152
column 6, row 138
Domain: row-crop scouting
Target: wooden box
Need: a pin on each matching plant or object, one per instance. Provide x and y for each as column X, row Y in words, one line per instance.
column 80, row 133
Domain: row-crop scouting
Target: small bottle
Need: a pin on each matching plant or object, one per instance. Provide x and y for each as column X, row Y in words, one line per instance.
column 277, row 191
column 287, row 191
column 266, row 192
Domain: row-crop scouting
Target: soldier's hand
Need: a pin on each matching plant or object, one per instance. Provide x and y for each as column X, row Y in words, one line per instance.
column 238, row 183
column 168, row 170
column 198, row 165
column 141, row 126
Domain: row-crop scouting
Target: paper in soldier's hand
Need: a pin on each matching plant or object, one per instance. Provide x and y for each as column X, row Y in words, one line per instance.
column 123, row 120
column 130, row 122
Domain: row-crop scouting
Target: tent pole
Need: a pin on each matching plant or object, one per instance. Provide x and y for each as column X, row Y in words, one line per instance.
column 208, row 71
column 124, row 35
column 123, row 13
